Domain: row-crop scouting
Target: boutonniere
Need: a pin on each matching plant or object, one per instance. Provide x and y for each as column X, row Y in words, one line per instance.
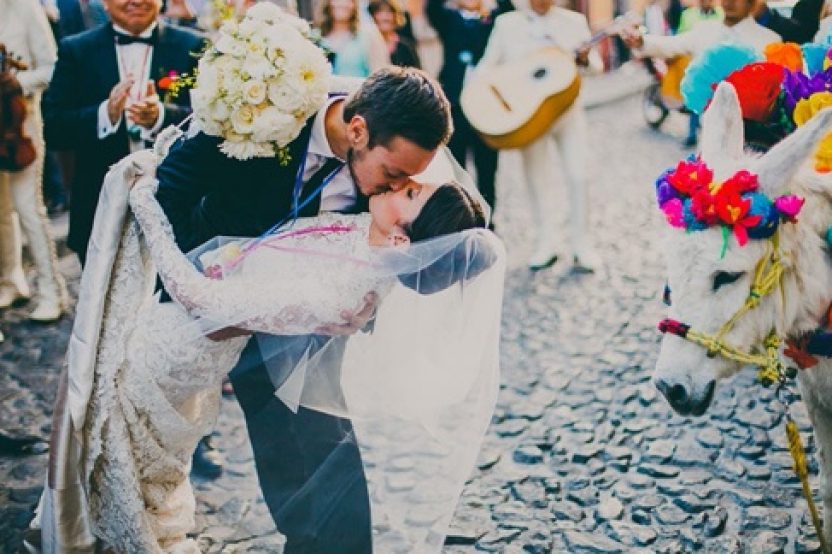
column 172, row 83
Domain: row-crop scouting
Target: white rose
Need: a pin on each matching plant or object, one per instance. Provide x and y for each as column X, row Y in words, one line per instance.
column 243, row 119
column 301, row 25
column 229, row 45
column 207, row 79
column 254, row 92
column 249, row 27
column 220, row 111
column 270, row 125
column 258, row 66
column 286, row 95
column 242, row 150
column 265, row 11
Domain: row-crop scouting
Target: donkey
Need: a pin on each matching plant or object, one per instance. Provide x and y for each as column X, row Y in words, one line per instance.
column 708, row 288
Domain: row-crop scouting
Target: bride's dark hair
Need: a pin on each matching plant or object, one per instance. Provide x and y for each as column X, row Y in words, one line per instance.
column 450, row 209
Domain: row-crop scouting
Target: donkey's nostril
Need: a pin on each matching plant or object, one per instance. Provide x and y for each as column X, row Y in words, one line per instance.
column 677, row 396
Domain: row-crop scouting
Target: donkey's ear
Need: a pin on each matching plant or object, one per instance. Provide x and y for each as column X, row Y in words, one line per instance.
column 777, row 167
column 722, row 132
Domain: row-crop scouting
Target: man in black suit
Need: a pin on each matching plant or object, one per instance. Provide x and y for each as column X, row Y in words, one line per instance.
column 464, row 31
column 103, row 102
column 308, row 463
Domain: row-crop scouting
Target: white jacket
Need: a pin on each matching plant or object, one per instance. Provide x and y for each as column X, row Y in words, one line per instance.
column 25, row 32
column 706, row 34
column 519, row 33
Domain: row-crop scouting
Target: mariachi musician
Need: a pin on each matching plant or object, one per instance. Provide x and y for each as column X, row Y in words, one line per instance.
column 464, row 31
column 516, row 35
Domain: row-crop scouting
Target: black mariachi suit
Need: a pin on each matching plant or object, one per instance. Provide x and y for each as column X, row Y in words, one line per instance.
column 206, row 194
column 86, row 72
column 464, row 40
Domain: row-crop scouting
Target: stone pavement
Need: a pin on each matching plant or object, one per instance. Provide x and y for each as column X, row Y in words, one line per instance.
column 583, row 455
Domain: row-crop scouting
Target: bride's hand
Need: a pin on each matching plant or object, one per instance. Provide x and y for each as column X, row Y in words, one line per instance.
column 142, row 167
column 353, row 322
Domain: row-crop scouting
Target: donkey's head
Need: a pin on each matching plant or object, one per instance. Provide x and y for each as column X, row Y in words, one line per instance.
column 710, row 275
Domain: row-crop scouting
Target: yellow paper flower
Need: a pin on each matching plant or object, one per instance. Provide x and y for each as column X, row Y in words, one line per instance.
column 787, row 54
column 823, row 155
column 808, row 107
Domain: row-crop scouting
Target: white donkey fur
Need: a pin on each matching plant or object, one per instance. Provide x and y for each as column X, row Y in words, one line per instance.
column 694, row 259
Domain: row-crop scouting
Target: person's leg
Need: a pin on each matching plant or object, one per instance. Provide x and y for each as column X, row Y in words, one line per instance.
column 459, row 142
column 693, row 127
column 485, row 160
column 571, row 141
column 308, row 465
column 538, row 168
column 26, row 189
column 13, row 285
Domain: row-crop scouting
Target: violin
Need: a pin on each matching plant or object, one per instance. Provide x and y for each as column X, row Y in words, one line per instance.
column 17, row 151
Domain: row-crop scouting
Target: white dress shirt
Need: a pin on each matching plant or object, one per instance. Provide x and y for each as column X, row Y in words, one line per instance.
column 339, row 194
column 134, row 60
column 519, row 33
column 706, row 34
column 25, row 32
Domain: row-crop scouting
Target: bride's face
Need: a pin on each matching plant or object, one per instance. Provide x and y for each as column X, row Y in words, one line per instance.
column 399, row 208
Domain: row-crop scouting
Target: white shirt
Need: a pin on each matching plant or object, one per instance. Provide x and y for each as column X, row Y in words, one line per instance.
column 339, row 194
column 25, row 32
column 706, row 34
column 519, row 33
column 133, row 60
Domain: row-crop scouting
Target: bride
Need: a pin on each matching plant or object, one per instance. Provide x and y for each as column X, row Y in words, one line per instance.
column 120, row 463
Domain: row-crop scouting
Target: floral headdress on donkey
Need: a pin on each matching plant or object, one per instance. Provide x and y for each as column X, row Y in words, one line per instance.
column 690, row 199
column 778, row 90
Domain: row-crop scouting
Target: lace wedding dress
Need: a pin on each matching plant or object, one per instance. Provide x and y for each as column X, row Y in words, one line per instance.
column 145, row 418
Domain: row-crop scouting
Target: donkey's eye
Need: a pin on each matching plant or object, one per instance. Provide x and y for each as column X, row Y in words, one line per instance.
column 725, row 278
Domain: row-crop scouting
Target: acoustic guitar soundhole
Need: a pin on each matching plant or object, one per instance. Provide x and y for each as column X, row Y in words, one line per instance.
column 540, row 73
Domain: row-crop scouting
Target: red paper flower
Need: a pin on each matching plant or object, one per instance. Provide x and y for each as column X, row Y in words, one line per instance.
column 691, row 176
column 758, row 86
column 702, row 207
column 733, row 211
column 740, row 182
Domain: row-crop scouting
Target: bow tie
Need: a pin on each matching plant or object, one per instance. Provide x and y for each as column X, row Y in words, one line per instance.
column 122, row 39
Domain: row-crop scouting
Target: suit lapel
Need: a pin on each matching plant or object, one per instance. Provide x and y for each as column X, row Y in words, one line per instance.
column 108, row 62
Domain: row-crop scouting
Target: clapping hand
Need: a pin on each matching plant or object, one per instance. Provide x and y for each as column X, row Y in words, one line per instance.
column 353, row 322
column 118, row 99
column 146, row 112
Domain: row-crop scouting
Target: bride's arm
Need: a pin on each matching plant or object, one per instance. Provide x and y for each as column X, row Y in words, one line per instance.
column 252, row 306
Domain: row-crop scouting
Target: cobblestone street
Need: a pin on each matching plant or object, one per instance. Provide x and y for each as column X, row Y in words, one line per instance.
column 583, row 454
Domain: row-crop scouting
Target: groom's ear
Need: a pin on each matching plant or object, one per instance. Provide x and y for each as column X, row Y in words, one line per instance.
column 357, row 132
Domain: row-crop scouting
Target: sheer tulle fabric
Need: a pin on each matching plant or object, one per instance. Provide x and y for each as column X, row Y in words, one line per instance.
column 418, row 384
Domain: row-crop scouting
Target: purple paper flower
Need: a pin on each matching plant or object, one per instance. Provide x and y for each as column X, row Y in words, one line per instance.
column 664, row 190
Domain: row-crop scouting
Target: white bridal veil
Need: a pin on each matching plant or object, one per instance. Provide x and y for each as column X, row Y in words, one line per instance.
column 417, row 386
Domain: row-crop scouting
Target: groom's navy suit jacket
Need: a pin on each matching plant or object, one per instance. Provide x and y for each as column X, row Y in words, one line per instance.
column 308, row 464
column 85, row 73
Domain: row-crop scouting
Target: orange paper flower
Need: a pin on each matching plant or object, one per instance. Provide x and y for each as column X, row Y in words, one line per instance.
column 787, row 54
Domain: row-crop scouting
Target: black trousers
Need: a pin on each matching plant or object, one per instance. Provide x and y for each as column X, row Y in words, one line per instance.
column 464, row 140
column 308, row 465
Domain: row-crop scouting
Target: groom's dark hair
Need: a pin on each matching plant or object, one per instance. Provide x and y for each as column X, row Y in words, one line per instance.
column 402, row 102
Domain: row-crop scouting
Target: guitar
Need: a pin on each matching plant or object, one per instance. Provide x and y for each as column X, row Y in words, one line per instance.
column 515, row 103
column 16, row 149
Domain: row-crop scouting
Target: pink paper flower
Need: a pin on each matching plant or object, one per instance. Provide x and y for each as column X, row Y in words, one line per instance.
column 789, row 206
column 674, row 212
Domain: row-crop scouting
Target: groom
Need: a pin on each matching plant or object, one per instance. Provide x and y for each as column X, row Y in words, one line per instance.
column 368, row 143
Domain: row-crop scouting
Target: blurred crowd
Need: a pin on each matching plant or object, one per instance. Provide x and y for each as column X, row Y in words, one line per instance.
column 99, row 85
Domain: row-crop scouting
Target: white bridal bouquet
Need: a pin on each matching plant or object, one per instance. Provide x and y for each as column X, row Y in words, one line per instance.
column 259, row 82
